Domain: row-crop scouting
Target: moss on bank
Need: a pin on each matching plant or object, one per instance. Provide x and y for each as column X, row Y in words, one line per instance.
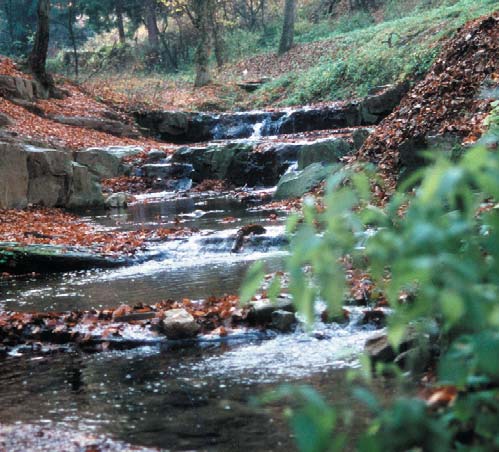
column 376, row 55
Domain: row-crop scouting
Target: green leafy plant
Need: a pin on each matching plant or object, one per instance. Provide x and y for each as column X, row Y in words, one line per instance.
column 439, row 243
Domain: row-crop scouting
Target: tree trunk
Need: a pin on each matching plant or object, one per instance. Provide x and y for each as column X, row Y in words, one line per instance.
column 218, row 42
column 72, row 37
column 119, row 21
column 152, row 24
column 288, row 28
column 202, row 10
column 38, row 57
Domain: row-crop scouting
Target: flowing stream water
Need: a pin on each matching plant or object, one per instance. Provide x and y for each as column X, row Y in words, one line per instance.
column 196, row 398
column 174, row 398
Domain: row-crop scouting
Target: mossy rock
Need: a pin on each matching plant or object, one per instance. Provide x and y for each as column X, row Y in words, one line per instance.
column 296, row 184
column 18, row 259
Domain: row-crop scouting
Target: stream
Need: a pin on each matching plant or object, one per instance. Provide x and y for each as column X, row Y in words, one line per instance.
column 198, row 398
column 174, row 398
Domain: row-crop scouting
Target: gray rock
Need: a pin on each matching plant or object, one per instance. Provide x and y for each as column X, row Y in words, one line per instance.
column 13, row 176
column 100, row 162
column 382, row 102
column 296, row 184
column 411, row 150
column 378, row 348
column 20, row 88
column 174, row 123
column 416, row 359
column 230, row 162
column 5, row 120
column 328, row 117
column 283, row 321
column 117, row 201
column 50, row 176
column 238, row 163
column 324, row 151
column 155, row 155
column 179, row 324
column 121, row 152
column 46, row 177
column 167, row 170
column 110, row 126
column 107, row 162
column 30, row 106
column 86, row 190
column 261, row 311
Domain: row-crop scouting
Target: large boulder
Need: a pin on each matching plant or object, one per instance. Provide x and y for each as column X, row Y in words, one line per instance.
column 263, row 311
column 176, row 126
column 117, row 201
column 45, row 177
column 229, row 162
column 268, row 165
column 193, row 127
column 297, row 183
column 155, row 156
column 20, row 88
column 360, row 135
column 105, row 163
column 326, row 151
column 13, row 176
column 411, row 151
column 50, row 176
column 85, row 190
column 238, row 163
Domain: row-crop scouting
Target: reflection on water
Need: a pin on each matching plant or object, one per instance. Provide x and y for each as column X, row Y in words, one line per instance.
column 179, row 399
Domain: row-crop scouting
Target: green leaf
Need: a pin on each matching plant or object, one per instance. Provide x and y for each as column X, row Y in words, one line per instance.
column 252, row 282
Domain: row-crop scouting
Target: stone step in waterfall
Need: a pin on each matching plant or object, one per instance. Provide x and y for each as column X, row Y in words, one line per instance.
column 193, row 127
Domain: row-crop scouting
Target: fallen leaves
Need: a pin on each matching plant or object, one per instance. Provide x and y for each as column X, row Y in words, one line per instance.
column 445, row 101
column 8, row 67
column 56, row 227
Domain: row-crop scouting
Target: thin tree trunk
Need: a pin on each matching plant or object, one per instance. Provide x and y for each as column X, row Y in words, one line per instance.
column 218, row 43
column 38, row 57
column 288, row 28
column 202, row 24
column 119, row 21
column 71, row 14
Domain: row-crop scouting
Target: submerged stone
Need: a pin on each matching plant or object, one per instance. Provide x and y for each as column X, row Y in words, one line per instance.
column 117, row 200
column 179, row 324
column 261, row 310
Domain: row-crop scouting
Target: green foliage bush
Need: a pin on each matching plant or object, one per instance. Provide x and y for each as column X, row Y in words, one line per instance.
column 444, row 252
